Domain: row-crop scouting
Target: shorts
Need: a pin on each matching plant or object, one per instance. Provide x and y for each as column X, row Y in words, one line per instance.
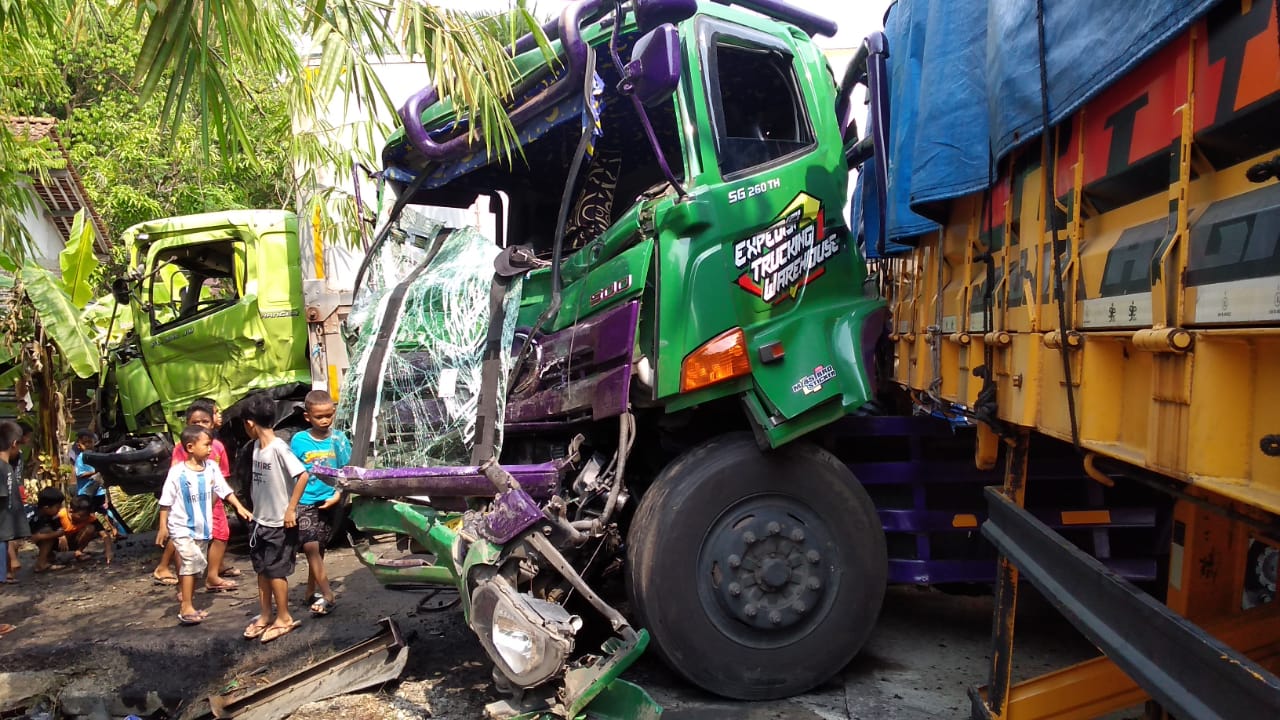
column 73, row 538
column 272, row 550
column 99, row 502
column 221, row 530
column 191, row 560
column 314, row 525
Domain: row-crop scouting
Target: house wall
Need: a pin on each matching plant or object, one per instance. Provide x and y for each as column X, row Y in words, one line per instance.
column 46, row 240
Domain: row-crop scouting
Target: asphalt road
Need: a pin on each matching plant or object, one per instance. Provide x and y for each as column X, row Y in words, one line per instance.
column 98, row 635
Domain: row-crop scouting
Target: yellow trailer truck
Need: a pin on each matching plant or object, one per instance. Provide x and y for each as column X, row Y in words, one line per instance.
column 1137, row 319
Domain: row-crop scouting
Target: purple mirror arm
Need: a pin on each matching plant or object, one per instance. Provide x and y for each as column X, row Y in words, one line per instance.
column 575, row 49
column 811, row 23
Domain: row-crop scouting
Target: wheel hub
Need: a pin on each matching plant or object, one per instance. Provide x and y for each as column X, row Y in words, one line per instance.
column 767, row 566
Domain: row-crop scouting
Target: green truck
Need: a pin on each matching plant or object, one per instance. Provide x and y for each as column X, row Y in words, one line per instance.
column 216, row 308
column 614, row 401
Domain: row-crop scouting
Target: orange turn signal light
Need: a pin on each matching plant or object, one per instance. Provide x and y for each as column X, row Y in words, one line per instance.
column 721, row 358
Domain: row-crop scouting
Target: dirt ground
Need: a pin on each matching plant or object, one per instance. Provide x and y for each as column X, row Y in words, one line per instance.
column 104, row 641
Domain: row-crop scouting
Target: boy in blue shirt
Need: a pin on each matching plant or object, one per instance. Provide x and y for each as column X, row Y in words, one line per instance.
column 86, row 476
column 186, row 514
column 321, row 444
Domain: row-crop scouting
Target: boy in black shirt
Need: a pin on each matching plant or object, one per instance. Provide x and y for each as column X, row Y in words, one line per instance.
column 46, row 531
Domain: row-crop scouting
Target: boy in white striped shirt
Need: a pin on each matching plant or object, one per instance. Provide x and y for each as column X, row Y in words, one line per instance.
column 186, row 514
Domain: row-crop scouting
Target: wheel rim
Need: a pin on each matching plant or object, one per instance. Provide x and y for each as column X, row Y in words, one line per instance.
column 767, row 570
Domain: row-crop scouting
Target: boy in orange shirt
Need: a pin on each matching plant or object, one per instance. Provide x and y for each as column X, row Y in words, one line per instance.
column 81, row 526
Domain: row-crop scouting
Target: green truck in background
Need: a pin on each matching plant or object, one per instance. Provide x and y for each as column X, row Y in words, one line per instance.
column 617, row 392
column 217, row 311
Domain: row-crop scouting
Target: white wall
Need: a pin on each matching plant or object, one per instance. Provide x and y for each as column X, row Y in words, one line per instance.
column 46, row 239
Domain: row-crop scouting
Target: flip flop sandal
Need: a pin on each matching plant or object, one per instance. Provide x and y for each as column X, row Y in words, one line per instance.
column 51, row 568
column 158, row 580
column 230, row 572
column 255, row 631
column 6, row 628
column 276, row 631
column 195, row 619
column 321, row 606
column 226, row 586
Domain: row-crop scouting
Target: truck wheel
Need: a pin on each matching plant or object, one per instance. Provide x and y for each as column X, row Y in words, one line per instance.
column 758, row 574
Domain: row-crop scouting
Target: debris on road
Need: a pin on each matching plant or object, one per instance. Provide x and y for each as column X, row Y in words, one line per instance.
column 375, row 661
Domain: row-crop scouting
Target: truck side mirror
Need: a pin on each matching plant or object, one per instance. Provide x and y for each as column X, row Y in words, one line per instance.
column 120, row 291
column 654, row 70
column 651, row 14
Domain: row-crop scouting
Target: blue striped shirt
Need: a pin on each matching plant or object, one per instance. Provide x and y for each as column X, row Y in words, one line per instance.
column 189, row 495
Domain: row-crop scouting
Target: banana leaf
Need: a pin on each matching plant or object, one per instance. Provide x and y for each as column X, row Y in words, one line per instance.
column 97, row 318
column 78, row 261
column 60, row 319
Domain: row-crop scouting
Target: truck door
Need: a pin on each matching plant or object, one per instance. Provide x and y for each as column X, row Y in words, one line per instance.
column 766, row 235
column 197, row 322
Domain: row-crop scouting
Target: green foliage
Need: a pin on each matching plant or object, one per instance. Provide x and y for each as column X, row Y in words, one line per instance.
column 60, row 319
column 189, row 105
column 78, row 261
column 139, row 512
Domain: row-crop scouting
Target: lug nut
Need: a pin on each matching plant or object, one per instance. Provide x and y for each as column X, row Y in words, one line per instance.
column 813, row 583
column 799, row 606
column 734, row 561
column 773, row 528
column 750, row 610
column 797, row 535
column 735, row 589
column 813, row 556
column 749, row 537
column 775, row 617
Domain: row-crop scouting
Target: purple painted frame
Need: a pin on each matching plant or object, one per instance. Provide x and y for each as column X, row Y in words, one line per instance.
column 539, row 481
column 603, row 345
column 570, row 35
column 927, row 467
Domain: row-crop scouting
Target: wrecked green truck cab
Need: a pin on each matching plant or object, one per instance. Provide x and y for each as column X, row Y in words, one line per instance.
column 614, row 393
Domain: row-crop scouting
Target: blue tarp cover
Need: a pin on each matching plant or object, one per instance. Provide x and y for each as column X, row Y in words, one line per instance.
column 964, row 78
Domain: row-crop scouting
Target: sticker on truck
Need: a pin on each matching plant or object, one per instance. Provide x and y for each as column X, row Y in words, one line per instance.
column 813, row 382
column 789, row 254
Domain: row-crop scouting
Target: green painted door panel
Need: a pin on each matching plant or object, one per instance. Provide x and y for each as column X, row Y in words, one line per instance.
column 220, row 310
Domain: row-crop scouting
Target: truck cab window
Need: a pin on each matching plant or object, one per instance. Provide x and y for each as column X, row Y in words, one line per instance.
column 192, row 281
column 759, row 115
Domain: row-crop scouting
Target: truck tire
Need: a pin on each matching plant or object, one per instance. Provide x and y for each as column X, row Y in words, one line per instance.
column 759, row 575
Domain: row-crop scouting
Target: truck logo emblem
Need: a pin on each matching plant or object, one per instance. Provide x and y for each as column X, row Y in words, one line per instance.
column 610, row 290
column 789, row 254
column 812, row 382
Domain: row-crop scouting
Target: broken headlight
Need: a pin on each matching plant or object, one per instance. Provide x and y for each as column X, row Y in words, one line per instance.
column 528, row 639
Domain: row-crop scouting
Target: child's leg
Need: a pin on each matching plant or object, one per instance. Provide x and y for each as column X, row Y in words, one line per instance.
column 280, row 591
column 4, row 566
column 264, row 599
column 45, row 557
column 311, row 571
column 217, row 549
column 83, row 538
column 191, row 556
column 317, row 577
column 14, row 564
column 166, row 559
column 187, row 593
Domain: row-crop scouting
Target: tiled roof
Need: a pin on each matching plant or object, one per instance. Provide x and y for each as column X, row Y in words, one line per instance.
column 61, row 191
